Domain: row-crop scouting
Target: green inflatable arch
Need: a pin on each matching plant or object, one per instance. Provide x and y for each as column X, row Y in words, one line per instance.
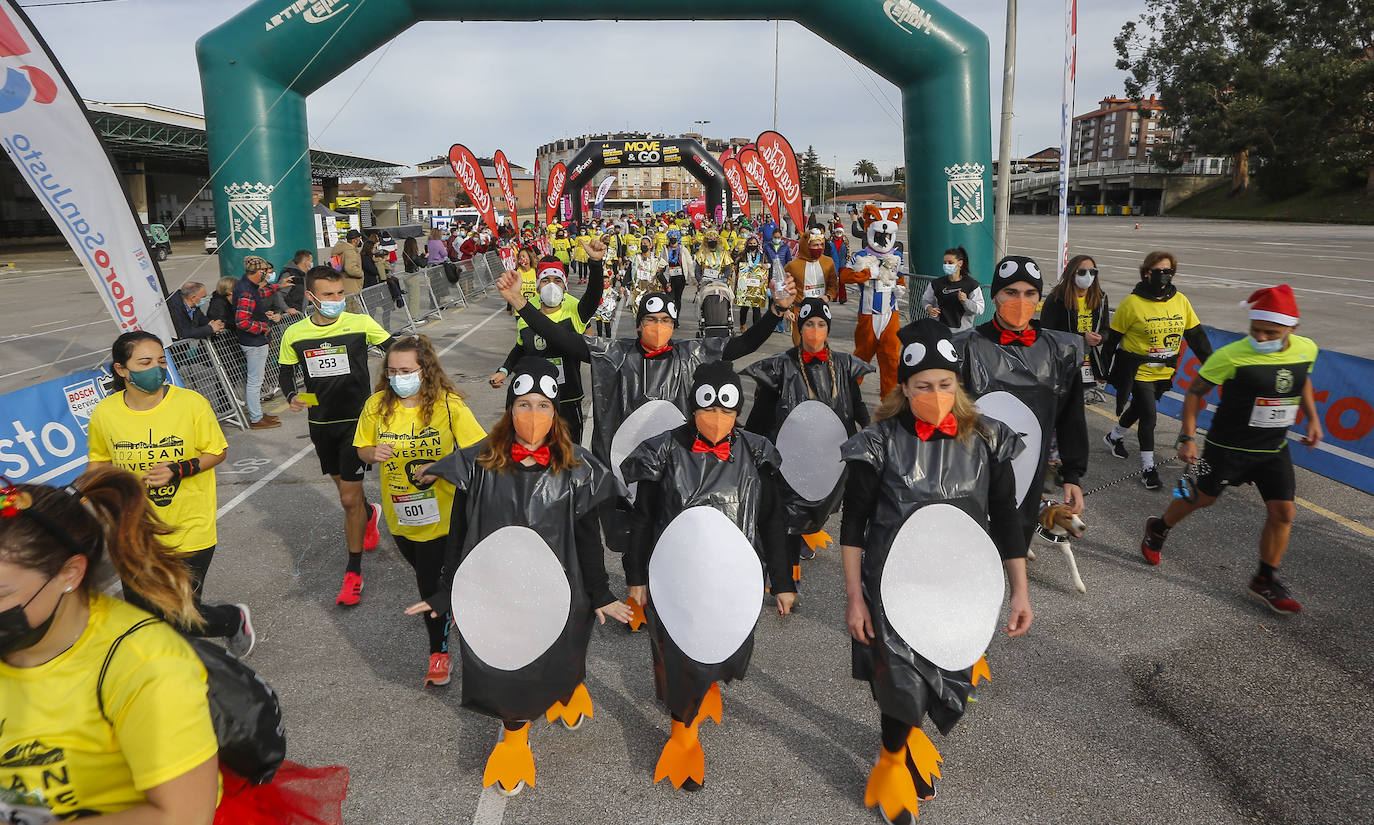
column 257, row 68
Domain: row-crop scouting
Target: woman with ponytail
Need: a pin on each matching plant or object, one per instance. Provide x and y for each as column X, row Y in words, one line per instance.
column 154, row 761
column 170, row 439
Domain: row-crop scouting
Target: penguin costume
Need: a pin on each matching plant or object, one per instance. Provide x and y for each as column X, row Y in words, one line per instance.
column 1030, row 379
column 929, row 524
column 807, row 402
column 710, row 505
column 526, row 567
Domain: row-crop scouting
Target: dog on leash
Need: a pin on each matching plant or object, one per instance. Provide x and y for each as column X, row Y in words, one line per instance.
column 1058, row 524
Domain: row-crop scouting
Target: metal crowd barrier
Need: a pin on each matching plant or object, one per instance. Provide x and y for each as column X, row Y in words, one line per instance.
column 198, row 363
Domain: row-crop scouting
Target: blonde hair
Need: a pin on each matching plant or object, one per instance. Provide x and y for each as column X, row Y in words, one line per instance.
column 969, row 420
column 225, row 286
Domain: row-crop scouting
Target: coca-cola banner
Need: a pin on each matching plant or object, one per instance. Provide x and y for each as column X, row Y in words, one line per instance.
column 739, row 187
column 558, row 176
column 781, row 161
column 469, row 173
column 762, row 180
column 507, row 188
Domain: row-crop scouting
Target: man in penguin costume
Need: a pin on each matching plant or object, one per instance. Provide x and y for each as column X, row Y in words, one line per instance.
column 1030, row 379
column 710, row 505
column 930, row 525
column 526, row 567
column 810, row 442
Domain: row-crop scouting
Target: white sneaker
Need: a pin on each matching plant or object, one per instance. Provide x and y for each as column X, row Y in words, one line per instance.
column 241, row 643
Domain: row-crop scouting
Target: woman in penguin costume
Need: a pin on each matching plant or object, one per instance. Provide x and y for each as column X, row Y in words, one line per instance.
column 809, row 443
column 709, row 506
column 929, row 524
column 524, row 560
column 1029, row 378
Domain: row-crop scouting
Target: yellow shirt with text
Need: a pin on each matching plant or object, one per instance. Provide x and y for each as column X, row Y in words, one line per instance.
column 1154, row 329
column 180, row 427
column 419, row 513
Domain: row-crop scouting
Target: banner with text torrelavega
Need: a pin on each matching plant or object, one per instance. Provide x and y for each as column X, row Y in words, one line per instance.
column 44, row 127
column 469, row 173
column 558, row 177
column 781, row 161
column 507, row 188
column 758, row 174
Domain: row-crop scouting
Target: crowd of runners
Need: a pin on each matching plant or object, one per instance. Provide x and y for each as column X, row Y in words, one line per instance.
column 707, row 505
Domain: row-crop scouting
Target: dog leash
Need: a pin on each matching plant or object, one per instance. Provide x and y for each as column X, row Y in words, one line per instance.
column 1127, row 477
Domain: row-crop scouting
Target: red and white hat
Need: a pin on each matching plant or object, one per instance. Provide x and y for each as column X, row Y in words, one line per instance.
column 1275, row 304
column 555, row 268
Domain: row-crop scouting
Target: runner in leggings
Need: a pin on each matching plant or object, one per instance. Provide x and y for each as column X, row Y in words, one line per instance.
column 1146, row 333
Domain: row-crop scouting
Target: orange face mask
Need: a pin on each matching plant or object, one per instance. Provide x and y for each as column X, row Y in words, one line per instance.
column 932, row 407
column 532, row 427
column 655, row 336
column 713, row 425
column 814, row 339
column 1016, row 312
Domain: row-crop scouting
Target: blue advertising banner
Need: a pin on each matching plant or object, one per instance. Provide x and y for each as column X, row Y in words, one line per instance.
column 1342, row 384
column 43, row 428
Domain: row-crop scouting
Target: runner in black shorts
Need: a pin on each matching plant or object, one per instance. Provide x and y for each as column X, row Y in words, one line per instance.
column 332, row 346
column 1265, row 385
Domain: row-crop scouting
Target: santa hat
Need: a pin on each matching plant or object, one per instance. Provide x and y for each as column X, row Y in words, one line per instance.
column 1275, row 303
column 555, row 269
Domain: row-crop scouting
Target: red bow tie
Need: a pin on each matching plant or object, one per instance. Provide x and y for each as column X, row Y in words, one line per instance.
column 822, row 356
column 654, row 353
column 519, row 453
column 722, row 450
column 949, row 427
column 1025, row 336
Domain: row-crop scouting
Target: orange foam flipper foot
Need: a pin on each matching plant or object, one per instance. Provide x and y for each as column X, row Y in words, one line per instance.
column 980, row 671
column 923, row 753
column 578, row 707
column 636, row 614
column 817, row 540
column 710, row 707
column 682, row 757
column 511, row 761
column 890, row 785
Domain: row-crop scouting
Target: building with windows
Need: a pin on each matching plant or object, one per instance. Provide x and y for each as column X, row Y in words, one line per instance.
column 1118, row 129
column 435, row 186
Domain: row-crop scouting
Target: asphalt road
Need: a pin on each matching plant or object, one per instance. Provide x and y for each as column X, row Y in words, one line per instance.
column 1163, row 695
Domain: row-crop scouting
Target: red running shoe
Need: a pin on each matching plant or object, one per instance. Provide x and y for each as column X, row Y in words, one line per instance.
column 371, row 536
column 1274, row 594
column 1153, row 543
column 439, row 666
column 352, row 591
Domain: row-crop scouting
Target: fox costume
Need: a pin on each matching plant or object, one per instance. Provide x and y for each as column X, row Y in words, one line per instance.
column 876, row 269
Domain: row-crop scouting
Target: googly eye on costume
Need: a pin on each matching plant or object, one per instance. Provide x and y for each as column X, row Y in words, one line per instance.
column 671, row 310
column 1007, row 269
column 549, row 386
column 805, row 311
column 653, row 305
column 1033, row 270
column 913, row 354
column 706, row 396
column 946, row 348
column 825, row 310
column 728, row 396
column 522, row 384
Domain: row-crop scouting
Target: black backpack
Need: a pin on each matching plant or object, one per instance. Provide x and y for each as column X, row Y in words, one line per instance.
column 244, row 709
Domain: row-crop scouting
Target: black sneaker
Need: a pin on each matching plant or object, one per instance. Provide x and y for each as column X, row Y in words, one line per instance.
column 1153, row 543
column 1150, row 478
column 1273, row 593
column 1118, row 445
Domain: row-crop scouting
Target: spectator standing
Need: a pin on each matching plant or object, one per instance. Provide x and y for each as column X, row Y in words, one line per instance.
column 293, row 297
column 411, row 258
column 349, row 262
column 435, row 250
column 252, row 323
column 221, row 307
column 371, row 274
column 188, row 313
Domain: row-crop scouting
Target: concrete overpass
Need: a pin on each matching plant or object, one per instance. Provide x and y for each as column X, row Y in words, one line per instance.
column 1117, row 187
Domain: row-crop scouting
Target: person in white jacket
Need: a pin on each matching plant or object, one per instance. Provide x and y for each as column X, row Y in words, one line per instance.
column 955, row 299
column 676, row 262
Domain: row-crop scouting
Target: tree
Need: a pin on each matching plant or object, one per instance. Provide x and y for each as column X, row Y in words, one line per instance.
column 1284, row 81
column 809, row 169
column 899, row 174
column 866, row 169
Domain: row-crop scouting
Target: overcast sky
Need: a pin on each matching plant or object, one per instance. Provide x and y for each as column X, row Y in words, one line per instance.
column 645, row 77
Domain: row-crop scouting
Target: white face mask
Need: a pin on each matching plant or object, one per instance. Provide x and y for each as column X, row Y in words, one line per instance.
column 1083, row 281
column 950, row 269
column 551, row 294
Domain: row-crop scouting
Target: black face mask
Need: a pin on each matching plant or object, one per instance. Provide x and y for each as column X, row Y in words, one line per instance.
column 1158, row 282
column 16, row 633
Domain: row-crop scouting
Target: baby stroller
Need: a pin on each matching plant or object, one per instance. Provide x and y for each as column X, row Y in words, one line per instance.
column 717, row 309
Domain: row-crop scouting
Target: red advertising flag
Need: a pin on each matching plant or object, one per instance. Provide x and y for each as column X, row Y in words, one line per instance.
column 762, row 180
column 469, row 173
column 558, row 176
column 586, row 199
column 739, row 187
column 781, row 161
column 507, row 188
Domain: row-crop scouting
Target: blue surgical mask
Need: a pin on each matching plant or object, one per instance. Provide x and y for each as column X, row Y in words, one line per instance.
column 272, row 277
column 1265, row 347
column 204, row 302
column 149, row 380
column 332, row 309
column 406, row 385
column 950, row 269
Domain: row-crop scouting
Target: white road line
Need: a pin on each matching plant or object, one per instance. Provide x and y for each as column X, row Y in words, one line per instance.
column 262, row 482
column 491, row 807
column 460, row 338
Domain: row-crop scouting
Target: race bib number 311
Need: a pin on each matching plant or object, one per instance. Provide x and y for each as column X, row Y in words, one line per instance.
column 1274, row 412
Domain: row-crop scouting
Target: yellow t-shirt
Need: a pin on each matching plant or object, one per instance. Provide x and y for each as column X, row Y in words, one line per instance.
column 562, row 249
column 181, row 426
column 529, row 283
column 1153, row 329
column 419, row 514
column 54, row 741
column 578, row 254
column 1085, row 316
